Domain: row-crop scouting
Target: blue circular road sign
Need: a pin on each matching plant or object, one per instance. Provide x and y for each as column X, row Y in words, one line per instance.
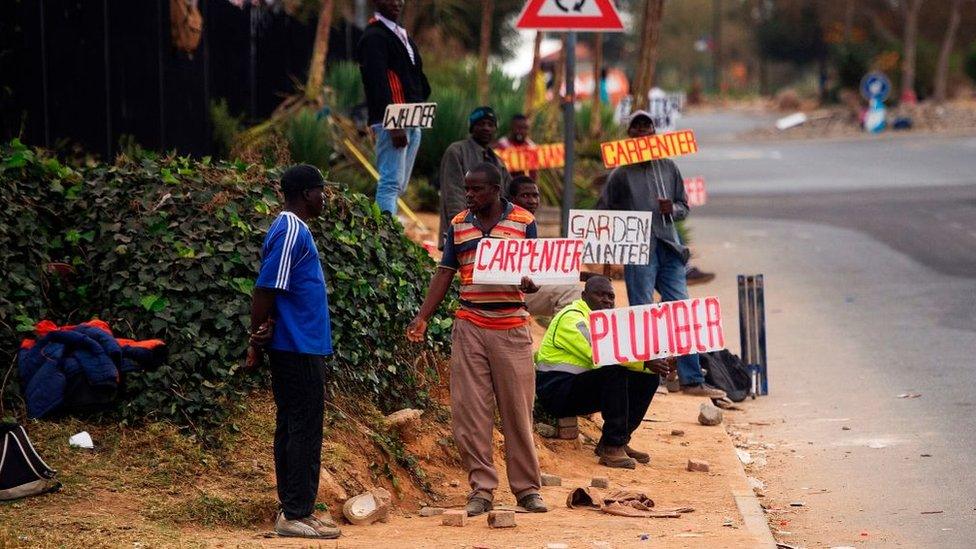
column 875, row 85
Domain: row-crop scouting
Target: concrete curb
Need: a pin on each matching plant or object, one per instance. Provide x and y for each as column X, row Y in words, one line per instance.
column 753, row 516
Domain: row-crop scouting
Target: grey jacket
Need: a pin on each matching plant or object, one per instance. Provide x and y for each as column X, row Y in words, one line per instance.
column 460, row 157
column 638, row 186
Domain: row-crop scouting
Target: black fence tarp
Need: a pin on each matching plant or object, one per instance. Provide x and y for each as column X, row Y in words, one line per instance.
column 92, row 72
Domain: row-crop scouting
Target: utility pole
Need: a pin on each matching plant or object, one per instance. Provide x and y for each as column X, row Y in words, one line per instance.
column 569, row 125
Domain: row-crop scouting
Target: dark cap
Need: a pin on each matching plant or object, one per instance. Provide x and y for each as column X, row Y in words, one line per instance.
column 636, row 115
column 300, row 177
column 480, row 114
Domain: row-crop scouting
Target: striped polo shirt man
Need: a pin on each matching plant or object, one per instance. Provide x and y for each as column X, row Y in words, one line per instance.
column 492, row 306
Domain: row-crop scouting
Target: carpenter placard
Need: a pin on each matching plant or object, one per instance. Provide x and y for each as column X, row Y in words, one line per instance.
column 661, row 330
column 527, row 159
column 544, row 260
column 614, row 237
column 651, row 147
column 400, row 116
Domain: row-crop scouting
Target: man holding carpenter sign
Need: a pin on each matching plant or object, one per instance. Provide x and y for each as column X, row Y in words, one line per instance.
column 657, row 186
column 392, row 73
column 491, row 346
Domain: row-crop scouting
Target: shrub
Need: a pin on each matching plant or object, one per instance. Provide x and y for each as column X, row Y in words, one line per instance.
column 309, row 139
column 169, row 247
column 347, row 86
column 226, row 126
column 970, row 63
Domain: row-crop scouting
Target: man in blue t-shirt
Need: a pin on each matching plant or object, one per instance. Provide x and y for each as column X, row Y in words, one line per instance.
column 290, row 321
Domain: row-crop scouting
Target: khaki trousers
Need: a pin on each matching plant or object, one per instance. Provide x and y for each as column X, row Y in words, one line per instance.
column 491, row 367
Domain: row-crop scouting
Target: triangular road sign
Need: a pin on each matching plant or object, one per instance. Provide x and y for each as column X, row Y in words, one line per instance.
column 570, row 15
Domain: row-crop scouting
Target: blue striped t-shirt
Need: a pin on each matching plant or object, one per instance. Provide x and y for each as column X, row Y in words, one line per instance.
column 290, row 264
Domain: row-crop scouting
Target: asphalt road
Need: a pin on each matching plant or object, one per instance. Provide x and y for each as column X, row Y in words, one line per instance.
column 869, row 251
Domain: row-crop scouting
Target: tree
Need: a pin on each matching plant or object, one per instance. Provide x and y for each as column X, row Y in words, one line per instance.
column 487, row 8
column 910, row 9
column 948, row 42
column 320, row 50
column 647, row 56
column 530, row 87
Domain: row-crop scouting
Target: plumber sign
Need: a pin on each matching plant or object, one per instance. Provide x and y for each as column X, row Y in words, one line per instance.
column 649, row 332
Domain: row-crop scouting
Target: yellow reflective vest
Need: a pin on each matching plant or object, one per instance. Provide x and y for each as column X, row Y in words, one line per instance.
column 566, row 345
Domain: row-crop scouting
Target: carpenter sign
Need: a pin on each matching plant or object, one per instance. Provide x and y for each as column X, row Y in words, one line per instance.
column 651, row 147
column 409, row 115
column 648, row 332
column 544, row 260
column 614, row 237
column 695, row 191
column 527, row 159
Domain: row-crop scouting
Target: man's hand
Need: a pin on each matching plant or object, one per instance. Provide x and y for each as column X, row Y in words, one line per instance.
column 666, row 206
column 398, row 138
column 262, row 336
column 660, row 367
column 417, row 329
column 527, row 286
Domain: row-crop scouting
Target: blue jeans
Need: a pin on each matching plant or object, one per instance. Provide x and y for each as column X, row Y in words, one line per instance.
column 666, row 273
column 394, row 165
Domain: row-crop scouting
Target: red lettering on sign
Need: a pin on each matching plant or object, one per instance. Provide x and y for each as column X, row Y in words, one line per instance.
column 498, row 258
column 696, row 325
column 682, row 327
column 657, row 314
column 510, row 253
column 482, row 253
column 639, row 354
column 599, row 328
column 608, row 152
column 643, row 148
column 713, row 323
column 622, row 156
column 526, row 247
column 615, row 338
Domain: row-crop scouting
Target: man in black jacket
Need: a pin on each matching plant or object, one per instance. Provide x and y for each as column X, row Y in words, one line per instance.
column 392, row 73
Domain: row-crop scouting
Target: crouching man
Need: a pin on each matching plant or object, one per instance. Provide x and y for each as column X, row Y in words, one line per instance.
column 568, row 384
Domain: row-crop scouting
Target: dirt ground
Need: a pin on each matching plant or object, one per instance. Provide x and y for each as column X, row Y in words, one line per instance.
column 714, row 523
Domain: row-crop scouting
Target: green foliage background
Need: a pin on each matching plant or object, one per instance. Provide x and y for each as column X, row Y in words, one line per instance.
column 168, row 247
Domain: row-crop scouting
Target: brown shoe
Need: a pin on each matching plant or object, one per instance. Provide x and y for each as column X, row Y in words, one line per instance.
column 637, row 455
column 616, row 457
column 703, row 390
column 695, row 276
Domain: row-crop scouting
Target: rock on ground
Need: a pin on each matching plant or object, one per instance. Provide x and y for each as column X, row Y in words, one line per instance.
column 709, row 414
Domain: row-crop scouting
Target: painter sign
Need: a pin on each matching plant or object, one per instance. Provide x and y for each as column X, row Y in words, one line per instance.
column 400, row 116
column 650, row 147
column 695, row 191
column 614, row 237
column 544, row 260
column 538, row 157
column 649, row 332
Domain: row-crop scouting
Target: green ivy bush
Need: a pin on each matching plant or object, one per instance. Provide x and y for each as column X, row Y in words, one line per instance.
column 168, row 247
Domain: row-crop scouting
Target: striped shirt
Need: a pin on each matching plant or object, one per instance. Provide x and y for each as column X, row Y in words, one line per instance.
column 290, row 265
column 492, row 306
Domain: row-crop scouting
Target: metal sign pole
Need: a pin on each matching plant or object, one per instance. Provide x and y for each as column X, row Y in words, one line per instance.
column 569, row 124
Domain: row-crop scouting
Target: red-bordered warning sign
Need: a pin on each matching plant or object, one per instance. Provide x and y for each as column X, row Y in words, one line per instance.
column 570, row 15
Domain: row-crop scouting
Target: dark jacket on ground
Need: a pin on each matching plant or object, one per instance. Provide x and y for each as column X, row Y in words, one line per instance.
column 388, row 74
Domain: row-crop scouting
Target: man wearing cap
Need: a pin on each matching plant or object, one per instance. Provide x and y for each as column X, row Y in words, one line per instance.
column 517, row 139
column 460, row 157
column 290, row 322
column 491, row 347
column 657, row 186
column 392, row 73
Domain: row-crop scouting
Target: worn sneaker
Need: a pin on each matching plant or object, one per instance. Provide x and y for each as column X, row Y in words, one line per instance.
column 533, row 503
column 695, row 276
column 702, row 389
column 477, row 506
column 615, row 457
column 302, row 528
column 328, row 528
